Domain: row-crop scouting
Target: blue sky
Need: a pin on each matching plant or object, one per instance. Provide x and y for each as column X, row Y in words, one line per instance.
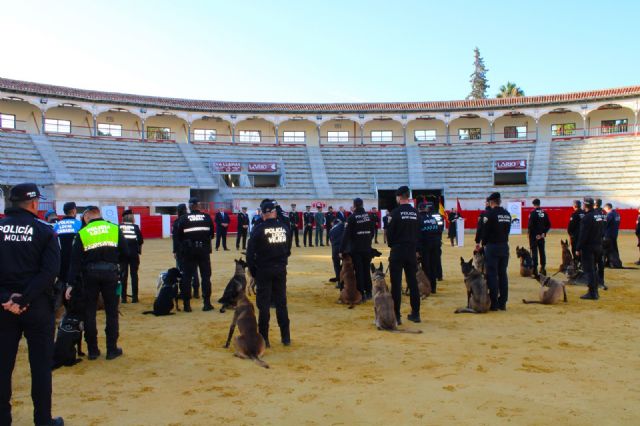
column 323, row 51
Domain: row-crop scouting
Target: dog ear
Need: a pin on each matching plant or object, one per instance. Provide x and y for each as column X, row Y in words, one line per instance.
column 373, row 269
column 461, row 260
column 381, row 268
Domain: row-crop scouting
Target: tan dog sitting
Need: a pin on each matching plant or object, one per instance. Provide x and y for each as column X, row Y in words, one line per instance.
column 349, row 295
column 567, row 258
column 249, row 344
column 424, row 285
column 385, row 317
column 478, row 301
column 550, row 291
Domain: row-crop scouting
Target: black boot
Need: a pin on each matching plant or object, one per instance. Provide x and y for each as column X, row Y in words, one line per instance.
column 207, row 305
column 187, row 305
column 286, row 337
column 196, row 292
column 415, row 317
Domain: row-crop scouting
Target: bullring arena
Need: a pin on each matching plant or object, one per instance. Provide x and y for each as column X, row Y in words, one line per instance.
column 574, row 363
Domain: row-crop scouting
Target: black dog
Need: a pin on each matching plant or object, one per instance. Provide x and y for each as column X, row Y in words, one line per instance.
column 68, row 346
column 236, row 284
column 167, row 297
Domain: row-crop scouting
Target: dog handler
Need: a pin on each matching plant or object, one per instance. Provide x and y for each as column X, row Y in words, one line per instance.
column 402, row 237
column 133, row 237
column 358, row 233
column 495, row 239
column 30, row 262
column 268, row 252
column 430, row 241
column 97, row 252
column 589, row 246
column 539, row 225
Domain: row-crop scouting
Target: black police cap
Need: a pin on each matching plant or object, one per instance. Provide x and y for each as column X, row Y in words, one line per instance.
column 92, row 209
column 494, row 197
column 403, row 190
column 536, row 202
column 25, row 192
column 588, row 201
column 244, row 208
column 194, row 200
column 357, row 202
column 67, row 207
column 126, row 212
column 267, row 206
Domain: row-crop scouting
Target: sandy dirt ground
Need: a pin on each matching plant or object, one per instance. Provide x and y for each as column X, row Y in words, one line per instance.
column 576, row 363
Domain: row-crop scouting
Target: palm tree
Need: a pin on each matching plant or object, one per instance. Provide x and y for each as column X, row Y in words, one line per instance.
column 510, row 90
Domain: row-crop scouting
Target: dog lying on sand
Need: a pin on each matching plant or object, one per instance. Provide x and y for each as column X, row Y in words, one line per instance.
column 550, row 291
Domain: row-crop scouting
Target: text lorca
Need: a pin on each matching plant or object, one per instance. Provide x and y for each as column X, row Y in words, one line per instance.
column 17, row 233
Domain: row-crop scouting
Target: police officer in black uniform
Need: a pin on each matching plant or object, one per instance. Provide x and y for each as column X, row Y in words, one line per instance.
column 589, row 246
column 375, row 219
column 267, row 256
column 602, row 217
column 294, row 220
column 66, row 229
column 478, row 238
column 573, row 228
column 243, row 229
column 194, row 233
column 97, row 252
column 539, row 225
column 30, row 262
column 133, row 237
column 329, row 217
column 495, row 239
column 336, row 235
column 402, row 237
column 356, row 242
column 430, row 241
column 177, row 250
column 308, row 221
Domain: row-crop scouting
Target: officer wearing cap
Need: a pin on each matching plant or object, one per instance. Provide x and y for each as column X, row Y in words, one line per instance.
column 194, row 233
column 267, row 256
column 573, row 228
column 539, row 225
column 177, row 250
column 329, row 217
column 589, row 246
column 133, row 237
column 495, row 239
column 51, row 217
column 430, row 241
column 357, row 243
column 294, row 220
column 320, row 221
column 601, row 221
column 243, row 229
column 402, row 237
column 440, row 220
column 30, row 262
column 97, row 252
column 308, row 221
column 66, row 229
column 375, row 219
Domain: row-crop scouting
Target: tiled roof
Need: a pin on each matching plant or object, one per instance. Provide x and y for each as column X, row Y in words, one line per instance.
column 39, row 89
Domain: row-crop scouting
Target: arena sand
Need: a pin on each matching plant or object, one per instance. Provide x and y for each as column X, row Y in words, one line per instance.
column 576, row 363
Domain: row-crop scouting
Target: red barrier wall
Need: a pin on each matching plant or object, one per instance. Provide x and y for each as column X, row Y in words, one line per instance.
column 151, row 226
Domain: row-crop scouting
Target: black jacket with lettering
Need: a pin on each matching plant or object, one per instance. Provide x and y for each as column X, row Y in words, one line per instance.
column 269, row 246
column 591, row 229
column 403, row 226
column 573, row 228
column 496, row 226
column 308, row 218
column 539, row 223
column 478, row 238
column 357, row 233
column 195, row 229
column 431, row 227
column 29, row 256
column 133, row 237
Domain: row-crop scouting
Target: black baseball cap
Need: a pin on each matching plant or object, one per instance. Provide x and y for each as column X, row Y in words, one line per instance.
column 25, row 192
column 494, row 197
column 92, row 208
column 67, row 207
column 267, row 206
column 358, row 202
column 403, row 190
column 588, row 201
column 194, row 200
column 244, row 208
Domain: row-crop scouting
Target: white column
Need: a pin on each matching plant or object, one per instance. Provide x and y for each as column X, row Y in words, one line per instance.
column 361, row 133
column 276, row 127
column 142, row 130
column 537, row 131
column 95, row 125
column 189, row 132
column 584, row 126
column 448, row 135
column 233, row 133
column 491, row 137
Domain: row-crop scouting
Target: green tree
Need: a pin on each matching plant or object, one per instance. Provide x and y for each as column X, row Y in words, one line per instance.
column 479, row 82
column 510, row 90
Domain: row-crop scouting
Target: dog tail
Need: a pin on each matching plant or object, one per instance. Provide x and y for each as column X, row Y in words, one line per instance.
column 531, row 301
column 406, row 331
column 465, row 311
column 147, row 313
column 260, row 362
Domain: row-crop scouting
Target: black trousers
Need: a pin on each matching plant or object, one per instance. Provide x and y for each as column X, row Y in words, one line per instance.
column 337, row 263
column 430, row 259
column 271, row 285
column 591, row 258
column 538, row 246
column 195, row 281
column 221, row 234
column 241, row 235
column 375, row 235
column 308, row 233
column 192, row 263
column 496, row 262
column 105, row 283
column 37, row 324
column 130, row 266
column 439, row 267
column 573, row 241
column 403, row 258
column 362, row 267
column 294, row 231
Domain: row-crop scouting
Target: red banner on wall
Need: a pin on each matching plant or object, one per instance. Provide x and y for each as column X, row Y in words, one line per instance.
column 263, row 167
column 511, row 165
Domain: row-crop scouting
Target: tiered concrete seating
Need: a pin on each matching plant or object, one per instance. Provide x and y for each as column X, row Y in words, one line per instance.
column 599, row 167
column 351, row 170
column 20, row 161
column 298, row 180
column 111, row 162
column 467, row 170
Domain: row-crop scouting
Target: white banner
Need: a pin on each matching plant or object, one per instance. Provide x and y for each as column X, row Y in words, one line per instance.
column 515, row 210
column 110, row 213
column 460, row 231
column 166, row 226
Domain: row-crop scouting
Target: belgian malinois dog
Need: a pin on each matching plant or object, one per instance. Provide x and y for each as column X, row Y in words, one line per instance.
column 385, row 317
column 349, row 295
column 238, row 281
column 478, row 261
column 550, row 291
column 526, row 261
column 567, row 258
column 249, row 344
column 424, row 284
column 478, row 301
